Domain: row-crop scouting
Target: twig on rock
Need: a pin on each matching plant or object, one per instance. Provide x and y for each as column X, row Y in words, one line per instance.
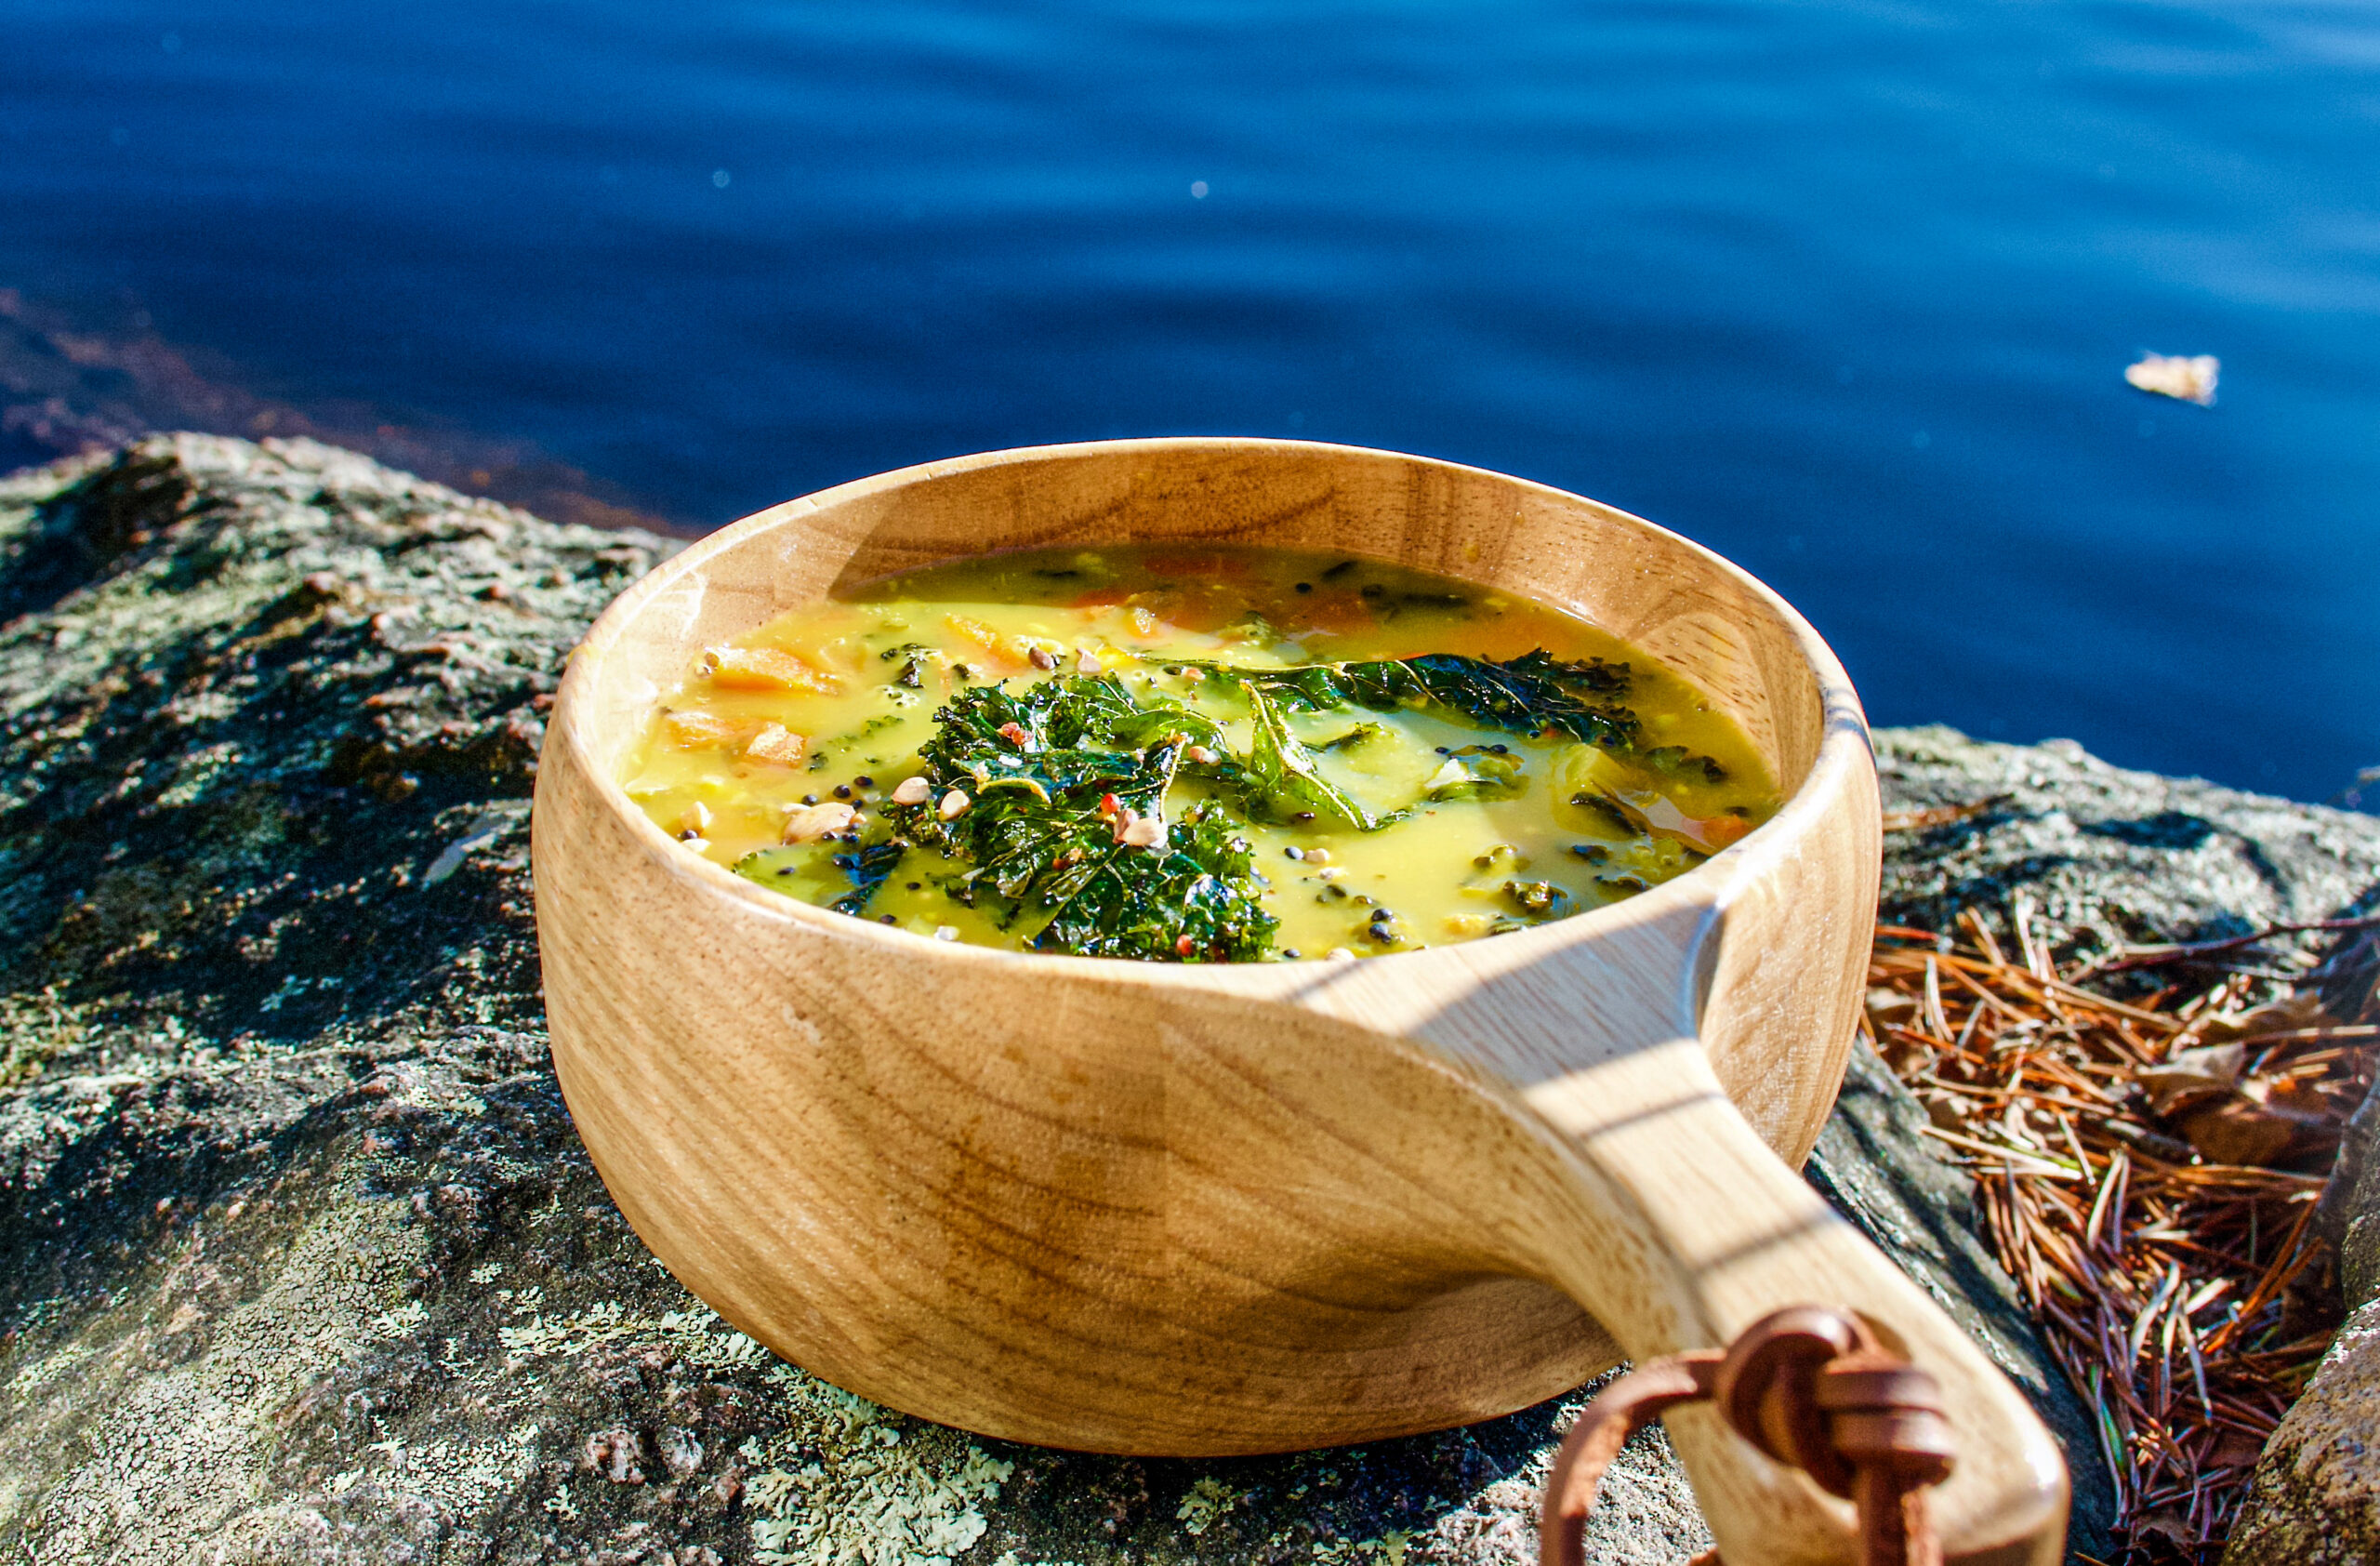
column 2162, row 956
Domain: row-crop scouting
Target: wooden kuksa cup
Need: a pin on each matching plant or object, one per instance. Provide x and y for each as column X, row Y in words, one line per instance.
column 1155, row 1208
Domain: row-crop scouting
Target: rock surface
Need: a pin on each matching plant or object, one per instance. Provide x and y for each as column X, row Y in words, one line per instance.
column 299, row 1258
column 2317, row 1496
column 2105, row 855
column 2349, row 1215
column 2351, row 1205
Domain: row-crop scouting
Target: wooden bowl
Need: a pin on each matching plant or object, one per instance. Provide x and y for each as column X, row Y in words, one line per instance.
column 1147, row 1208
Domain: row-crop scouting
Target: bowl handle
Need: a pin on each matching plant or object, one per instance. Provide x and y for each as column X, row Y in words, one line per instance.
column 1690, row 1229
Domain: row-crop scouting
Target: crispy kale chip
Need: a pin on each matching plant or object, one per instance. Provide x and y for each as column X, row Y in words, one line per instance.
column 1055, row 774
column 913, row 657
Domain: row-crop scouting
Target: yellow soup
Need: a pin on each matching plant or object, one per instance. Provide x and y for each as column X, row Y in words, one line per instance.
column 1209, row 755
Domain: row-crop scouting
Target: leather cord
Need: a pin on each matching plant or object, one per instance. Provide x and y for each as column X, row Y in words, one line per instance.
column 1811, row 1388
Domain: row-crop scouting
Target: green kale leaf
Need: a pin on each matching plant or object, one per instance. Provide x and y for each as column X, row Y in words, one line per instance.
column 914, row 656
column 1052, row 774
column 1279, row 779
column 1527, row 695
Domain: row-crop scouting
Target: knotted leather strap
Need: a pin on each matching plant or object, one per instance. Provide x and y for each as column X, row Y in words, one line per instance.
column 1808, row 1387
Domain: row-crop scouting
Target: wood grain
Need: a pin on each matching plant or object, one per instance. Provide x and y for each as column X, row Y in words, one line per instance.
column 1150, row 1208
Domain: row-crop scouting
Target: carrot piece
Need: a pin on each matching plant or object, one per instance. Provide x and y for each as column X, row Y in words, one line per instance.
column 1008, row 651
column 1717, row 831
column 695, row 730
column 762, row 669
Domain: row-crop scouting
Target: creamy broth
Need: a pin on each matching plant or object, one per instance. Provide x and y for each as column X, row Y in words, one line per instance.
column 1208, row 754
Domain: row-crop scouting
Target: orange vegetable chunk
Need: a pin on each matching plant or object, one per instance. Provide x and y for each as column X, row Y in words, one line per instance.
column 762, row 669
column 691, row 729
column 1010, row 651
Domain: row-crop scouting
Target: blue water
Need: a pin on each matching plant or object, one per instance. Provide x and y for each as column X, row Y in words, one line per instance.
column 1844, row 290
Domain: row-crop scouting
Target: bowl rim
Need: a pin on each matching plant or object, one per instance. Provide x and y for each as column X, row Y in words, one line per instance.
column 1843, row 741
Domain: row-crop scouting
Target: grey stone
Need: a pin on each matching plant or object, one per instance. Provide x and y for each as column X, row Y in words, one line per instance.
column 302, row 1259
column 2350, row 1211
column 299, row 1258
column 2107, row 856
column 2349, row 1215
column 2316, row 1500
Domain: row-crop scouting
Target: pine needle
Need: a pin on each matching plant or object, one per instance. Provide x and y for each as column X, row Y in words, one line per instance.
column 2152, row 1270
